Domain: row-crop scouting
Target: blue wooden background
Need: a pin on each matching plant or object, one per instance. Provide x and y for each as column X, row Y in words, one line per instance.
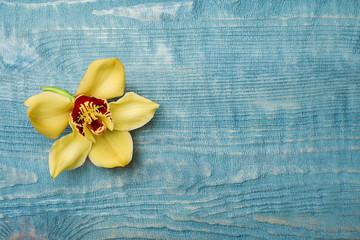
column 257, row 135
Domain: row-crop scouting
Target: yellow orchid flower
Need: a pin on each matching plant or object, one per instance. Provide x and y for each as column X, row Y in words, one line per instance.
column 100, row 129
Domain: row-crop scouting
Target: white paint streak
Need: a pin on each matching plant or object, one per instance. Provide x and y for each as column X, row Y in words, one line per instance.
column 286, row 18
column 147, row 11
column 272, row 105
column 15, row 50
column 45, row 4
column 245, row 175
column 255, row 173
column 163, row 54
column 11, row 176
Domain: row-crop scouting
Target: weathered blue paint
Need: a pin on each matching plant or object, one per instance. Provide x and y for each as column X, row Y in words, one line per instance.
column 257, row 135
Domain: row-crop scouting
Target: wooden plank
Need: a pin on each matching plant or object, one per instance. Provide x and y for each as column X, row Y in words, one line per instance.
column 257, row 134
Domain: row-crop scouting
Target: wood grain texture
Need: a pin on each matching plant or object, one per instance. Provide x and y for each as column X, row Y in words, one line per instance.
column 257, row 134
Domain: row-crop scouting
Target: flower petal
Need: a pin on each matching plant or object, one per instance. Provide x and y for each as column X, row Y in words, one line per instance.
column 113, row 149
column 69, row 152
column 132, row 111
column 49, row 113
column 105, row 78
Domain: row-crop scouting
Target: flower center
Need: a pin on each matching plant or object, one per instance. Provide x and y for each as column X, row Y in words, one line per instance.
column 91, row 113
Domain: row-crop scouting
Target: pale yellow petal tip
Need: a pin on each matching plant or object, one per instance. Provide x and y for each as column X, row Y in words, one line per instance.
column 110, row 126
column 54, row 170
column 157, row 106
column 53, row 175
column 26, row 103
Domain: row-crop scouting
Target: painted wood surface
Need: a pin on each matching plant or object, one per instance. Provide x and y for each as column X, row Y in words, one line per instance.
column 257, row 135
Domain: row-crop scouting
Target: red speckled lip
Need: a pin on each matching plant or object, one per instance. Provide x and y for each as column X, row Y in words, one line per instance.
column 88, row 112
